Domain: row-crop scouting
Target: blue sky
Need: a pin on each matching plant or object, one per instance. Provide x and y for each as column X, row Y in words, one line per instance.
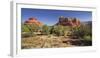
column 51, row 17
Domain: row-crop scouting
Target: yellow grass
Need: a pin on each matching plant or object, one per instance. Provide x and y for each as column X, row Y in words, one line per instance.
column 43, row 41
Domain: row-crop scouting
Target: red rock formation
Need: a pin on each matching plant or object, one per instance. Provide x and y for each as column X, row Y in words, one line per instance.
column 66, row 21
column 33, row 21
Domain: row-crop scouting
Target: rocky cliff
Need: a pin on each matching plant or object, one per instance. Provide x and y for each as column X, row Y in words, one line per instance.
column 68, row 21
column 33, row 21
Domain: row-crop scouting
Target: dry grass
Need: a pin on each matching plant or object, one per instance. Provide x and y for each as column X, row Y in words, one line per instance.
column 43, row 41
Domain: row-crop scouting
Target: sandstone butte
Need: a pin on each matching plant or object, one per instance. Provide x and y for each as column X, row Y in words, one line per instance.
column 68, row 21
column 64, row 21
column 33, row 20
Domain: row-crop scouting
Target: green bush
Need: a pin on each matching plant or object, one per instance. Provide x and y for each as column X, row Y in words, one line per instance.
column 82, row 31
column 88, row 38
column 45, row 30
column 24, row 35
column 58, row 30
column 29, row 28
column 25, row 28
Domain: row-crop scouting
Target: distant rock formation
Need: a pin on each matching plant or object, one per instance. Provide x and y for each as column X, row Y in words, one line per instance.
column 33, row 20
column 64, row 21
column 68, row 21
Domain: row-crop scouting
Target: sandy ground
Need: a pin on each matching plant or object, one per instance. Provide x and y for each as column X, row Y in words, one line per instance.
column 45, row 41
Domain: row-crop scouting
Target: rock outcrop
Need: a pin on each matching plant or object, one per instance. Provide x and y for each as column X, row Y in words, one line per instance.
column 33, row 21
column 68, row 21
column 64, row 21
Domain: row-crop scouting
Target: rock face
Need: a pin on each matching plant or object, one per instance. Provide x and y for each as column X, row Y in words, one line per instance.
column 66, row 21
column 33, row 21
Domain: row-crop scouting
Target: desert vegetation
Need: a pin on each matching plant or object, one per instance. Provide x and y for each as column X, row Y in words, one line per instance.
column 55, row 36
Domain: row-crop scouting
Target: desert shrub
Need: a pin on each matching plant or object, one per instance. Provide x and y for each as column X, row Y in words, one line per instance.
column 24, row 35
column 58, row 30
column 45, row 30
column 88, row 38
column 78, row 32
column 82, row 31
column 66, row 30
column 53, row 30
column 30, row 29
column 25, row 28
